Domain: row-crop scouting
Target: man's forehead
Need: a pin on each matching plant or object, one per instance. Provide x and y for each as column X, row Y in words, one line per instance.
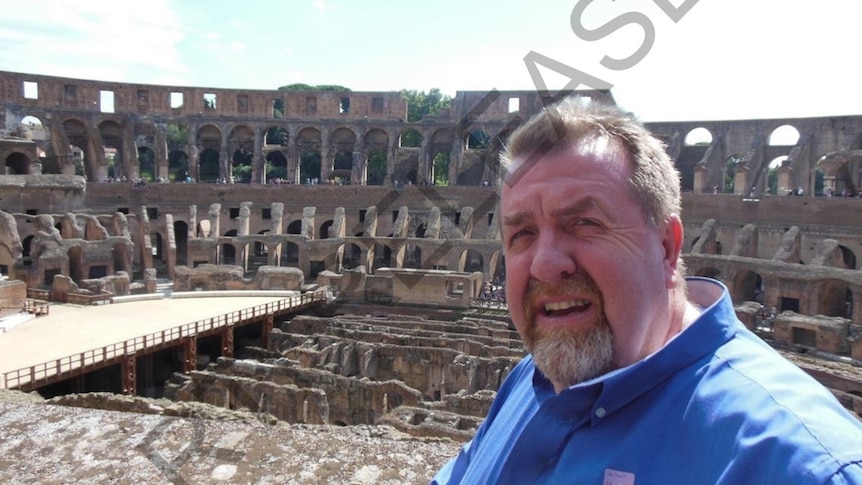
column 597, row 147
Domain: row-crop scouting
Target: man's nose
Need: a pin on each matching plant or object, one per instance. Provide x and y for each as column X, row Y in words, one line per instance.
column 552, row 260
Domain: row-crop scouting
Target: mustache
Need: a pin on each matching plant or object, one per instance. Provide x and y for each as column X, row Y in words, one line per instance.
column 579, row 284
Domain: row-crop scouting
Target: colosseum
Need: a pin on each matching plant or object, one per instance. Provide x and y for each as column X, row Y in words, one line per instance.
column 384, row 230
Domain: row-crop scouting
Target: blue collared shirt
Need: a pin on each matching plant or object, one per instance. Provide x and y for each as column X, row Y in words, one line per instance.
column 714, row 405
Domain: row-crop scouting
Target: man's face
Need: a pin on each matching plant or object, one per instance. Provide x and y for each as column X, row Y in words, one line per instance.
column 587, row 276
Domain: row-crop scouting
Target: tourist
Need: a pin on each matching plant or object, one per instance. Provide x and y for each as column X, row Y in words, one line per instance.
column 635, row 373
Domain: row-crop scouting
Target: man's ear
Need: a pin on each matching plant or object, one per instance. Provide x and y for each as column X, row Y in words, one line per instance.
column 672, row 241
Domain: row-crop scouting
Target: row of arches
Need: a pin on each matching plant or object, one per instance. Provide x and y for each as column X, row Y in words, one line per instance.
column 784, row 135
column 236, row 153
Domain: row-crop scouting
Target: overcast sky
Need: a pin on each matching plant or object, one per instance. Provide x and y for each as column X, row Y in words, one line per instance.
column 723, row 59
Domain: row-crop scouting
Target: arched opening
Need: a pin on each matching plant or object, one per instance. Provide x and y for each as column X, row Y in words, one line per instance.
column 112, row 145
column 698, row 137
column 276, row 136
column 309, row 168
column 178, row 166
column 748, row 286
column 478, row 140
column 382, row 256
column 181, row 238
column 241, row 166
column 832, row 299
column 784, row 135
column 412, row 257
column 352, row 256
column 289, row 254
column 440, row 169
column 276, row 168
column 17, row 164
column 83, row 162
column 324, row 229
column 376, row 171
column 146, row 164
column 342, row 168
column 410, row 138
column 472, row 260
column 772, row 180
column 730, row 172
column 848, row 256
column 308, row 142
column 295, row 227
column 228, row 254
column 208, row 167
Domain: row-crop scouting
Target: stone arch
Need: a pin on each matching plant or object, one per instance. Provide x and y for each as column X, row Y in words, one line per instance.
column 698, row 136
column 241, row 146
column 17, row 163
column 324, row 229
column 308, row 142
column 209, row 137
column 203, row 229
column 276, row 167
column 776, row 162
column 146, row 164
column 477, row 140
column 470, row 261
column 382, row 256
column 289, row 254
column 440, row 169
column 178, row 166
column 839, row 170
column 410, row 138
column 376, row 147
column 112, row 138
column 276, row 136
column 784, row 135
column 848, row 256
column 730, row 166
column 228, row 253
column 342, row 144
column 295, row 227
column 308, row 139
column 181, row 239
column 375, row 139
column 241, row 166
column 352, row 256
column 343, row 139
column 410, row 256
column 81, row 159
column 440, row 151
column 208, row 166
column 747, row 286
column 832, row 299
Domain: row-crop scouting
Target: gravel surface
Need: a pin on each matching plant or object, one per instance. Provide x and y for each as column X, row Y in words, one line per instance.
column 51, row 444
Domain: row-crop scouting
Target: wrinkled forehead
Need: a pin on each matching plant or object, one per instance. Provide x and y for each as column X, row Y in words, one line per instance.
column 600, row 148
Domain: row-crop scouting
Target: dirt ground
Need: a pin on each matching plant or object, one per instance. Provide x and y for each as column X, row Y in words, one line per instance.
column 51, row 444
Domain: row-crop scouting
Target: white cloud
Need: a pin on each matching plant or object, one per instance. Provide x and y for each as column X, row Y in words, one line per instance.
column 99, row 39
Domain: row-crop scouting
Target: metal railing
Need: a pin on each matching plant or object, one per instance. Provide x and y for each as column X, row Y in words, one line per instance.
column 68, row 366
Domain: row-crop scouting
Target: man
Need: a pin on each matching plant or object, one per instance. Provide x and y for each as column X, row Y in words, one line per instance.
column 635, row 374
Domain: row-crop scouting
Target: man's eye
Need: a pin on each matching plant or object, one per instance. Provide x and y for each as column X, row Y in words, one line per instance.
column 519, row 234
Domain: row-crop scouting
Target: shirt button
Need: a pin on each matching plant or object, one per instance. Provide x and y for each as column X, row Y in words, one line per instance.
column 600, row 412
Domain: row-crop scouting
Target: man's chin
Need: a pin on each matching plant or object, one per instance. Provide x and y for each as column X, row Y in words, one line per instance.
column 568, row 356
